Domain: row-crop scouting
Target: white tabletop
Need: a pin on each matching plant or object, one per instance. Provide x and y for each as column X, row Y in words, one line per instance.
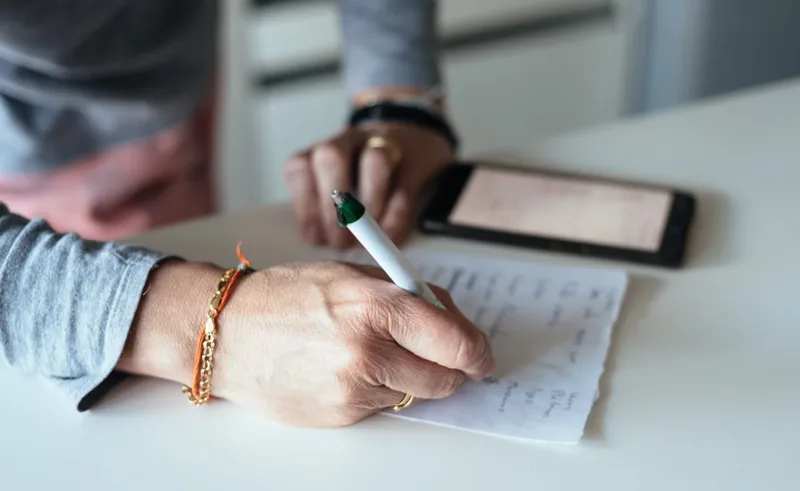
column 702, row 388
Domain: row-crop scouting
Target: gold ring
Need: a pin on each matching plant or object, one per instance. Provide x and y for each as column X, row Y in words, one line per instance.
column 392, row 150
column 407, row 401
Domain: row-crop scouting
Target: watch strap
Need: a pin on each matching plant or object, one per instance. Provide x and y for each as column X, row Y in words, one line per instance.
column 386, row 111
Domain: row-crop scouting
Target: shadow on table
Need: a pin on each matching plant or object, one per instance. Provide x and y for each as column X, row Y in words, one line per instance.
column 710, row 243
column 642, row 291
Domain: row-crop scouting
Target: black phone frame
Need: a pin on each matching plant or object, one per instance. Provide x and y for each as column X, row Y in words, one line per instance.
column 447, row 187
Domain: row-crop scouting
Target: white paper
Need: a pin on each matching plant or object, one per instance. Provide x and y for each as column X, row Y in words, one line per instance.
column 550, row 329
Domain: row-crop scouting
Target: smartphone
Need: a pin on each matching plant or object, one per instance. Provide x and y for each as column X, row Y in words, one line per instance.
column 585, row 215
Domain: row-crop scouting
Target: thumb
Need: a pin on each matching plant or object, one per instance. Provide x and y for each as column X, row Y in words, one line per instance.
column 443, row 337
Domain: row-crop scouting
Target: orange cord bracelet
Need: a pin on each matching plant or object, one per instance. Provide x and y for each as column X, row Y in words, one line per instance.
column 200, row 391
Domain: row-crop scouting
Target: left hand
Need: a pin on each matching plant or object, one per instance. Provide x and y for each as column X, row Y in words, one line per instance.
column 388, row 187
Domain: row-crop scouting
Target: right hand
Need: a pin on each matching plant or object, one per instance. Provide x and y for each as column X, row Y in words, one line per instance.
column 319, row 344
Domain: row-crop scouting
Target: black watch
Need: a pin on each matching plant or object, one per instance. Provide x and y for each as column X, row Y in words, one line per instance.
column 398, row 113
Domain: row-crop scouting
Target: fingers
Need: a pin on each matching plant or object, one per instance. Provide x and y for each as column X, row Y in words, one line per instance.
column 388, row 181
column 302, row 185
column 314, row 174
column 398, row 216
column 444, row 296
column 447, row 338
column 384, row 397
column 375, row 180
column 390, row 371
column 332, row 166
column 442, row 337
column 440, row 292
column 407, row 373
column 366, row 395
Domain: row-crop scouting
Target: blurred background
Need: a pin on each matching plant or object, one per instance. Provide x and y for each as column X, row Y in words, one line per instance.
column 516, row 71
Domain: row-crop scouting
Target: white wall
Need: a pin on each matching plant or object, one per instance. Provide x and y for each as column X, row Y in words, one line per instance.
column 701, row 48
column 236, row 157
column 673, row 61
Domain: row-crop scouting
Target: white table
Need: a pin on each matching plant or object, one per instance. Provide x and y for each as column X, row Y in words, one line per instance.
column 702, row 389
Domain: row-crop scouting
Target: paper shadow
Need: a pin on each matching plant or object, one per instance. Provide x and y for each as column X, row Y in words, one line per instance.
column 642, row 291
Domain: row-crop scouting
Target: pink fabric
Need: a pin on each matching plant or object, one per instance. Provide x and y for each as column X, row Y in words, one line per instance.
column 126, row 190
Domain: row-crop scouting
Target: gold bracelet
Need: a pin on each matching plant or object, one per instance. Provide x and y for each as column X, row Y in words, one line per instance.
column 200, row 391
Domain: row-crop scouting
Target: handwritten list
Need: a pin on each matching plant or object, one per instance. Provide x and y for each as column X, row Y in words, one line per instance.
column 550, row 329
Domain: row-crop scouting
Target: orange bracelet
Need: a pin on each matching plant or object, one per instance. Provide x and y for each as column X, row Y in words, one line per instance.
column 200, row 391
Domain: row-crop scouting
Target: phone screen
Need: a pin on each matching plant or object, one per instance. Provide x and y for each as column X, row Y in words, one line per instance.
column 572, row 209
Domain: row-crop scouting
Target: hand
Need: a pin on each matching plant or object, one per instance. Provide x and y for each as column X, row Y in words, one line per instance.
column 320, row 344
column 388, row 189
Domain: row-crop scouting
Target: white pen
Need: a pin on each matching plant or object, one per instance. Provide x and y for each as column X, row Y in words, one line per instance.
column 352, row 214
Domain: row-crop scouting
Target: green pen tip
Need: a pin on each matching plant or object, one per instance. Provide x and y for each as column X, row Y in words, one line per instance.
column 348, row 208
column 338, row 197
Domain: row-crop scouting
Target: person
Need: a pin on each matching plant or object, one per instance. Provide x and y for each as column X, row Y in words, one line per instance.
column 108, row 110
column 106, row 124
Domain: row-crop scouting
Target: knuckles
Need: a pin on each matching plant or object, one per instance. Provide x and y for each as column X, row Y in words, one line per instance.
column 472, row 349
column 352, row 317
column 369, row 358
column 329, row 153
column 295, row 166
column 449, row 386
column 357, row 398
column 364, row 317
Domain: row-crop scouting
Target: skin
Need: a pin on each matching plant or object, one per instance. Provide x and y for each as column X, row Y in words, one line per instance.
column 321, row 344
column 308, row 344
column 389, row 190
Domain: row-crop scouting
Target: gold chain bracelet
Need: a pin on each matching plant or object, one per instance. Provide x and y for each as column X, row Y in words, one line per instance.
column 200, row 391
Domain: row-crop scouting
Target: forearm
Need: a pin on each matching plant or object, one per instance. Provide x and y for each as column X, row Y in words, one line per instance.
column 66, row 304
column 390, row 46
column 164, row 334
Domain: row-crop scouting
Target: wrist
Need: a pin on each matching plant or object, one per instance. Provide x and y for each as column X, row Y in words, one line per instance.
column 163, row 337
column 429, row 98
column 387, row 112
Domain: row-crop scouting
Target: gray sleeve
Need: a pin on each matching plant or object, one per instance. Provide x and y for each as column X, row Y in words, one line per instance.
column 67, row 304
column 389, row 42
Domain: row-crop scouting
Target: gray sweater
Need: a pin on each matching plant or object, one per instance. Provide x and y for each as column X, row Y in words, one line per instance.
column 77, row 76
